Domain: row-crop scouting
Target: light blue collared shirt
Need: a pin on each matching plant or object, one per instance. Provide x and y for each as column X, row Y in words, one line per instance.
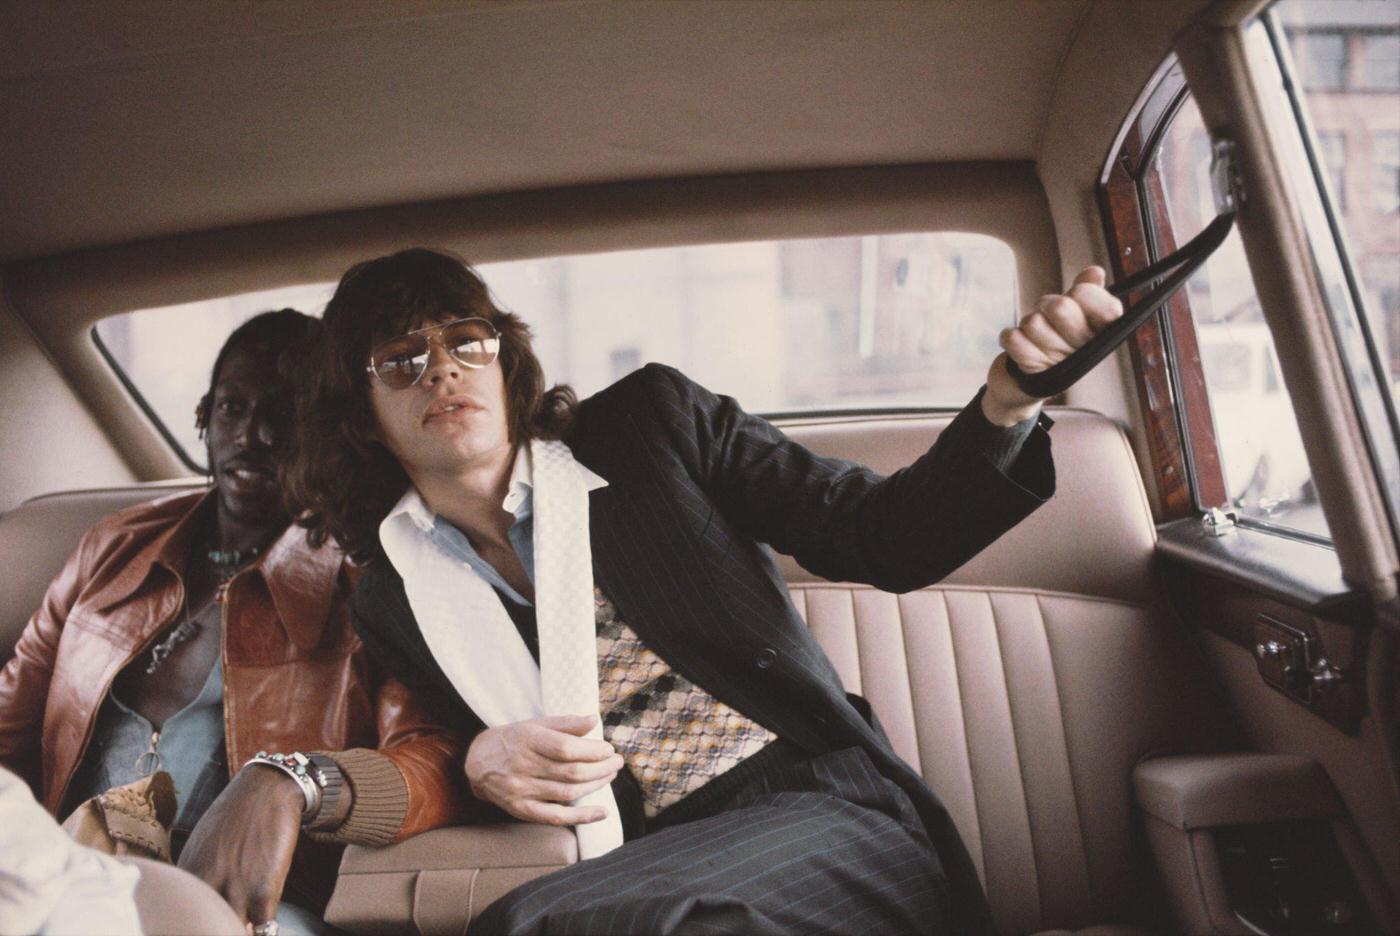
column 519, row 501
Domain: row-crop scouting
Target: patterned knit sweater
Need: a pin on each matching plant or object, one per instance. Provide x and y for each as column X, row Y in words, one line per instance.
column 674, row 736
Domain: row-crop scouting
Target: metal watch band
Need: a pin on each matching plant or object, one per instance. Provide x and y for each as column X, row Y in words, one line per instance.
column 298, row 767
column 328, row 777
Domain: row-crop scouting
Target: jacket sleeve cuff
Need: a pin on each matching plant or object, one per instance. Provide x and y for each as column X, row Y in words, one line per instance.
column 1001, row 444
column 380, row 799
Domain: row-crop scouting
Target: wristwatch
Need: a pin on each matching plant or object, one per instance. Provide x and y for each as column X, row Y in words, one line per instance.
column 320, row 781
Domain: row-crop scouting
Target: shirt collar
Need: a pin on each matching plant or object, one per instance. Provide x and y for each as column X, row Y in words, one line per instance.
column 302, row 581
column 517, row 498
column 522, row 481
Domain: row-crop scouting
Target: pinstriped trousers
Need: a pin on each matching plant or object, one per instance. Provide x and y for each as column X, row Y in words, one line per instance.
column 826, row 845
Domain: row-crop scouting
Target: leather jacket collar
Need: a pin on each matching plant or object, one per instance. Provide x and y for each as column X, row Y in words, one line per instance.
column 301, row 581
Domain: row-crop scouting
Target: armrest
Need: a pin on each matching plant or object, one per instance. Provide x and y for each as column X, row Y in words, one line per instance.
column 439, row 881
column 1203, row 791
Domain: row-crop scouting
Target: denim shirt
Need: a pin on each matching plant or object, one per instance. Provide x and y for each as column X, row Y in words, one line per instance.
column 190, row 749
column 521, row 536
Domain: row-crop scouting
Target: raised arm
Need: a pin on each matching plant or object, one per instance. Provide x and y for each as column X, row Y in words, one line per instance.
column 841, row 520
column 846, row 522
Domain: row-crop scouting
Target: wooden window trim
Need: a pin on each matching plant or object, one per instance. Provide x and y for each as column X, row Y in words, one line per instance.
column 1165, row 353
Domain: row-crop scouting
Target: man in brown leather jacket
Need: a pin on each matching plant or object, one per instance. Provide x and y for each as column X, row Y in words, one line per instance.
column 198, row 631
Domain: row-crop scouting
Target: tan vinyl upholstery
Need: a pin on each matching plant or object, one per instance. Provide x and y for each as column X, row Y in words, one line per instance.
column 1234, row 789
column 1026, row 711
column 441, row 879
column 1028, row 684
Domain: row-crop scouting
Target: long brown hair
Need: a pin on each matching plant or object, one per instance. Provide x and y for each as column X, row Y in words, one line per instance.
column 341, row 483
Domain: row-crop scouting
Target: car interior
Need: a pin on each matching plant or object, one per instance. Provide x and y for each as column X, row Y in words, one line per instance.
column 1166, row 702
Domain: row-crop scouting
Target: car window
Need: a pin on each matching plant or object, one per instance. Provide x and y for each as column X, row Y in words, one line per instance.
column 1267, row 478
column 1354, row 243
column 1354, row 111
column 878, row 321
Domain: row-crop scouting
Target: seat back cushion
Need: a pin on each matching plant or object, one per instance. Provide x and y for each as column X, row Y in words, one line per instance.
column 1026, row 712
column 1027, row 685
column 37, row 537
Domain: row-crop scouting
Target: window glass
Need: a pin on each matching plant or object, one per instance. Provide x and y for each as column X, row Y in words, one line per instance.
column 1322, row 59
column 1380, row 62
column 1370, row 121
column 1333, row 150
column 1266, row 471
column 850, row 322
column 1385, row 174
column 902, row 319
column 1368, row 333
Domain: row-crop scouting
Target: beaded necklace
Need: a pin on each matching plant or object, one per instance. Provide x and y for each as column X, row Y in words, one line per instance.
column 228, row 563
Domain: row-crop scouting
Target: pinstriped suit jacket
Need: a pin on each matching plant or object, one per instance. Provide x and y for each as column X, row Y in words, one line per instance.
column 694, row 486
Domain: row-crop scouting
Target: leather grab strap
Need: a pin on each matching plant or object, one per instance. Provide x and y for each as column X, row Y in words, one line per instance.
column 1174, row 270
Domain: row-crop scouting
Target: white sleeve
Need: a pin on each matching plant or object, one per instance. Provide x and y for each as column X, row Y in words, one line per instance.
column 51, row 885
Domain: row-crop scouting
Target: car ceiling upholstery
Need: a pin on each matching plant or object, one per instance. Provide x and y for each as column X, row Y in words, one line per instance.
column 140, row 119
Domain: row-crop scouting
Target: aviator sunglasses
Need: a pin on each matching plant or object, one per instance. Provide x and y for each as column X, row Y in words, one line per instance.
column 400, row 362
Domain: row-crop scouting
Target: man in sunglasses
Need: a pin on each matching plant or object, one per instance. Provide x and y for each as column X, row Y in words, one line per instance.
column 200, row 634
column 578, row 587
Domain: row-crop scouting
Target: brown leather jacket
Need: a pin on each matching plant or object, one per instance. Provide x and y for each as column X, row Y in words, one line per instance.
column 296, row 676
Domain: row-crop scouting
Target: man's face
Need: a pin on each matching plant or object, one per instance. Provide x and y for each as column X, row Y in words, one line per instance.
column 248, row 421
column 453, row 419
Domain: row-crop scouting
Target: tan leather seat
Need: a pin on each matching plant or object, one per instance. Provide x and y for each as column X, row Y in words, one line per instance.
column 1026, row 711
column 1028, row 684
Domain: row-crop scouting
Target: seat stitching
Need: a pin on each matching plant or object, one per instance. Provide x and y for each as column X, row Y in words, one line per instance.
column 967, row 742
column 1021, row 763
column 1094, row 908
column 909, row 680
column 985, row 589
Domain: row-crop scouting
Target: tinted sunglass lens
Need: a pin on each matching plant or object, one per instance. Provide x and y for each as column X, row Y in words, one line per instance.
column 400, row 362
column 473, row 342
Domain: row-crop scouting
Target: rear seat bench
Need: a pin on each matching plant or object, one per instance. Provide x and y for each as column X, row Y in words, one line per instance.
column 1028, row 684
column 1025, row 688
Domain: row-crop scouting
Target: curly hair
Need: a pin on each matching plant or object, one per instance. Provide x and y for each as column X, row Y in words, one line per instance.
column 341, row 482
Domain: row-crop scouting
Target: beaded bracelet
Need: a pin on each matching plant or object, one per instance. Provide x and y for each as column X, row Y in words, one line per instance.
column 297, row 766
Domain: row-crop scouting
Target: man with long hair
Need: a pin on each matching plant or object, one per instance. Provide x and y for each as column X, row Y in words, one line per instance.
column 579, row 587
column 201, row 633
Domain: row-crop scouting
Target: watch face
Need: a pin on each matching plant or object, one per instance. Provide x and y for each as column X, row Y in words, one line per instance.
column 323, row 768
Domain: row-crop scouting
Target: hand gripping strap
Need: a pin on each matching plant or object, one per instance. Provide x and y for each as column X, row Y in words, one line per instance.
column 1176, row 268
